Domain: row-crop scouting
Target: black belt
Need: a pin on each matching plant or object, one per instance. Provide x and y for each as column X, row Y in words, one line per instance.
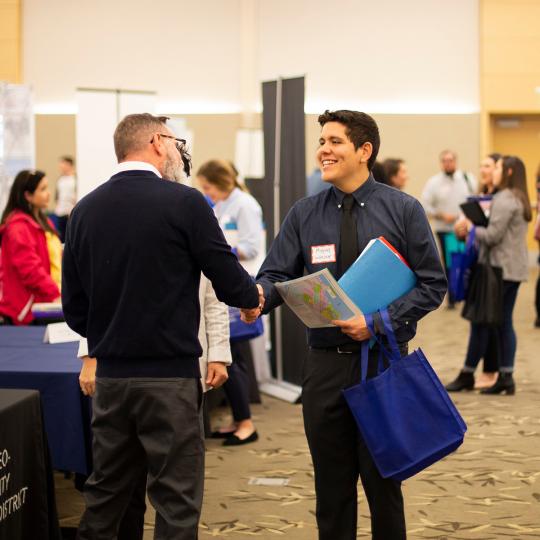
column 346, row 348
column 352, row 348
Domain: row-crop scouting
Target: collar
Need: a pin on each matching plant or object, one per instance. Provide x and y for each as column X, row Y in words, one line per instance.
column 360, row 195
column 135, row 166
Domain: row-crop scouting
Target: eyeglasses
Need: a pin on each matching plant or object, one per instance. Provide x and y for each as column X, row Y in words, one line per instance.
column 179, row 143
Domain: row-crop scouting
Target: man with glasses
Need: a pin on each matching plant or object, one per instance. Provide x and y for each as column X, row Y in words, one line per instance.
column 135, row 248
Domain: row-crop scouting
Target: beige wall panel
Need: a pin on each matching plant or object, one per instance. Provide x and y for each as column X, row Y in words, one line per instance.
column 510, row 18
column 214, row 136
column 510, row 62
column 10, row 41
column 55, row 137
column 418, row 139
column 504, row 93
column 502, row 57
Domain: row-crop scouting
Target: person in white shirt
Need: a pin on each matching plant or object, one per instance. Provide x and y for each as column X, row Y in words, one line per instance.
column 240, row 214
column 66, row 193
column 441, row 197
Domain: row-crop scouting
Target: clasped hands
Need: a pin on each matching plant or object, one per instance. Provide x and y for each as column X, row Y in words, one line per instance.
column 249, row 316
column 356, row 328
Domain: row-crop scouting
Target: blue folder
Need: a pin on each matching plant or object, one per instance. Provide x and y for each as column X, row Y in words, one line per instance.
column 377, row 278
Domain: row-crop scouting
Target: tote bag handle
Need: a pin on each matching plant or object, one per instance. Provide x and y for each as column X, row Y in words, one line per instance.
column 393, row 355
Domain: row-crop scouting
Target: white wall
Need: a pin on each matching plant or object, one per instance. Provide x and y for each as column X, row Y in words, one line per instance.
column 185, row 50
column 386, row 56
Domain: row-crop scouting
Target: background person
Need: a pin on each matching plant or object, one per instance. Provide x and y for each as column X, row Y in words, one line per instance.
column 343, row 219
column 396, row 171
column 441, row 197
column 537, row 235
column 235, row 210
column 503, row 243
column 138, row 243
column 66, row 193
column 30, row 251
column 379, row 173
column 493, row 350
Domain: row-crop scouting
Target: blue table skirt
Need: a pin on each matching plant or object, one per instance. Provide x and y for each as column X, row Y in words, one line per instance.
column 27, row 362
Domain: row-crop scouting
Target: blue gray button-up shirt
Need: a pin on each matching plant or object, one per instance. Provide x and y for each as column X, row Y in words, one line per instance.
column 314, row 222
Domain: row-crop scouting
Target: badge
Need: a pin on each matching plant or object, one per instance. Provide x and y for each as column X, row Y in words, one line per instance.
column 323, row 254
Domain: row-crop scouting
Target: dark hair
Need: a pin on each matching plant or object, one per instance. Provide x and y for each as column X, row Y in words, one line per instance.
column 222, row 174
column 495, row 156
column 379, row 173
column 68, row 159
column 134, row 132
column 391, row 167
column 26, row 181
column 516, row 180
column 360, row 129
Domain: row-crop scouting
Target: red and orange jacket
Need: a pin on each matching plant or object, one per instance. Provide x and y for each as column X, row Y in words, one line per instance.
column 25, row 270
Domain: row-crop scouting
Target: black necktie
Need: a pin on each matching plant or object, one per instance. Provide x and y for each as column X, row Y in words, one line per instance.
column 349, row 239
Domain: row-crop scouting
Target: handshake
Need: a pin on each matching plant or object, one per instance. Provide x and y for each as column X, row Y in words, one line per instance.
column 251, row 315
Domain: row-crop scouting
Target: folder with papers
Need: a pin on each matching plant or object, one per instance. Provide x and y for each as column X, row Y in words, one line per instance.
column 379, row 276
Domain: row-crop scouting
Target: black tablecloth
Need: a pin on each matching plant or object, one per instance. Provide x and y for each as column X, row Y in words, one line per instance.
column 27, row 502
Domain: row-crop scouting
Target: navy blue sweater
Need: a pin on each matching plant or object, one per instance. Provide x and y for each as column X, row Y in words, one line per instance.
column 134, row 250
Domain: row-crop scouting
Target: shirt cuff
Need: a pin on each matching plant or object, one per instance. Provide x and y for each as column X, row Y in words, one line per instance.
column 83, row 348
column 219, row 354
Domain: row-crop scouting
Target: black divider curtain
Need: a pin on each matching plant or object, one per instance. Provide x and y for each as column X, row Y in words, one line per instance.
column 291, row 148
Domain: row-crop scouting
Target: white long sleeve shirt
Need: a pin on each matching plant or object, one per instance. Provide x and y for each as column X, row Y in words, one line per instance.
column 444, row 193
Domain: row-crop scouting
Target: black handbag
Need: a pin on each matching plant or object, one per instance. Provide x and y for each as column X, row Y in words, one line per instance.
column 484, row 302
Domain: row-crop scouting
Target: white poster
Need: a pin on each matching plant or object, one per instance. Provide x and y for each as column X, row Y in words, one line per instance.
column 99, row 112
column 17, row 147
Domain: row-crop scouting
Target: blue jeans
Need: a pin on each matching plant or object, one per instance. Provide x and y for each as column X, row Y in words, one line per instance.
column 479, row 336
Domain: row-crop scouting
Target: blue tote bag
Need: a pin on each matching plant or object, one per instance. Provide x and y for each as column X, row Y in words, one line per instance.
column 404, row 414
column 241, row 331
column 460, row 269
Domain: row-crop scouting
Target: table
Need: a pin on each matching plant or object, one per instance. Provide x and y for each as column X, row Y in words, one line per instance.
column 27, row 362
column 27, row 503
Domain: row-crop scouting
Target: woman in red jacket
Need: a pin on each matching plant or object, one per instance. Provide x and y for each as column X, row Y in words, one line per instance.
column 25, row 265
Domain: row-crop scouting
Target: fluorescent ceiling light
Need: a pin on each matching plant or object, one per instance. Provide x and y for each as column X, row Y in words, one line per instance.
column 317, row 106
column 197, row 107
column 55, row 108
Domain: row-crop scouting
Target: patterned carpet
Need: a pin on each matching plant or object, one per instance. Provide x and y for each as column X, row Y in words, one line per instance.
column 488, row 490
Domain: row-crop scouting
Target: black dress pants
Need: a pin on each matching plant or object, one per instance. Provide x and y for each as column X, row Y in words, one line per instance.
column 145, row 425
column 237, row 385
column 339, row 454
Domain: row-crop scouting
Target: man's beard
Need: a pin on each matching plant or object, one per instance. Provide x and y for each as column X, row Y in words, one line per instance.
column 174, row 171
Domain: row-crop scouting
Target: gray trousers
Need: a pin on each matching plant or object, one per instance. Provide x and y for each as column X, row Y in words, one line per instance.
column 143, row 423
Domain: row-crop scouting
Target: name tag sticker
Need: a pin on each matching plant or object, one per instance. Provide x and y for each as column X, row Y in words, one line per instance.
column 323, row 254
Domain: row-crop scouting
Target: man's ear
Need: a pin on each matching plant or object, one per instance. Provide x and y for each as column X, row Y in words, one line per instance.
column 365, row 152
column 158, row 146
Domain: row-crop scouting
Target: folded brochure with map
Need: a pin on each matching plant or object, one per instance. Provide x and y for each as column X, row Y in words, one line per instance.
column 317, row 299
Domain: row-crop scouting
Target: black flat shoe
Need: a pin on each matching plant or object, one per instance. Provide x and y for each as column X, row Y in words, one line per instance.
column 233, row 440
column 221, row 434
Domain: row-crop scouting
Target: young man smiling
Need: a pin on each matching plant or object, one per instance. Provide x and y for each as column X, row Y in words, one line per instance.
column 329, row 230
